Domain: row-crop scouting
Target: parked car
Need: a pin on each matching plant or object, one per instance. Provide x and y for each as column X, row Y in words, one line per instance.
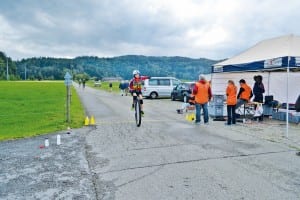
column 182, row 91
column 159, row 86
column 97, row 83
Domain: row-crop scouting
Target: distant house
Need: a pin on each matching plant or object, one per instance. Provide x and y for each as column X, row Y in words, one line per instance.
column 112, row 79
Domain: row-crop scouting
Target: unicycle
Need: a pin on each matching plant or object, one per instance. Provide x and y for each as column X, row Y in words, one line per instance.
column 138, row 114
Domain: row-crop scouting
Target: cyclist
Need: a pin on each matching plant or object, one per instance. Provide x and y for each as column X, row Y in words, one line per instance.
column 135, row 87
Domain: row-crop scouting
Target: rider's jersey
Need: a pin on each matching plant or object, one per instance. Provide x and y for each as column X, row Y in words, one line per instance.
column 136, row 83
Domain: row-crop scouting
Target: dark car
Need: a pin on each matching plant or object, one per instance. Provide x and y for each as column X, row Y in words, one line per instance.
column 182, row 91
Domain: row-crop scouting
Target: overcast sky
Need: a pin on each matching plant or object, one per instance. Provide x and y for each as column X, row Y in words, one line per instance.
column 214, row 29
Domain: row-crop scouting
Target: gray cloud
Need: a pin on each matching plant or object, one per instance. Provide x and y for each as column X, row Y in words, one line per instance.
column 212, row 29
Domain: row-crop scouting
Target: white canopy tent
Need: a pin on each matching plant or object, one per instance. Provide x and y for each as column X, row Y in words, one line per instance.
column 280, row 53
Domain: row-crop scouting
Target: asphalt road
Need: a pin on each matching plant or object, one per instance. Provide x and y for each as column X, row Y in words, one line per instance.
column 171, row 158
column 166, row 158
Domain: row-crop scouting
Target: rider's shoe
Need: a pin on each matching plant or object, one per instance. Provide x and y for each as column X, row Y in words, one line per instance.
column 132, row 107
column 142, row 112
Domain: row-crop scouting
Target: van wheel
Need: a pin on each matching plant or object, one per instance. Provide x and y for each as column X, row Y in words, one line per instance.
column 153, row 95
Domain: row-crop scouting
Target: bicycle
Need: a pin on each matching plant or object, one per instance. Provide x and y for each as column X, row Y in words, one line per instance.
column 138, row 112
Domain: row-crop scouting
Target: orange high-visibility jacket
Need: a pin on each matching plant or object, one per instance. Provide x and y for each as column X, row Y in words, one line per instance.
column 246, row 95
column 231, row 92
column 203, row 92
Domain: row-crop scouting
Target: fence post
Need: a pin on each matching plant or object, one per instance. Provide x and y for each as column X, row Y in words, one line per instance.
column 68, row 83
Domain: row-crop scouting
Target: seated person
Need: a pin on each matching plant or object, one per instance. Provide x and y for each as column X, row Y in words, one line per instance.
column 192, row 99
column 190, row 104
column 245, row 93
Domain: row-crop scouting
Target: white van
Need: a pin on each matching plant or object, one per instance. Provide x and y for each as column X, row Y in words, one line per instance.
column 159, row 86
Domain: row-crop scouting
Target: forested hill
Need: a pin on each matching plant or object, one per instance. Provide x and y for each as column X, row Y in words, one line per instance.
column 122, row 66
column 6, row 66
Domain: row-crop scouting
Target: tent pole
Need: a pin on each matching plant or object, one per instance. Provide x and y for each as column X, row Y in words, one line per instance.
column 287, row 85
column 269, row 82
column 287, row 98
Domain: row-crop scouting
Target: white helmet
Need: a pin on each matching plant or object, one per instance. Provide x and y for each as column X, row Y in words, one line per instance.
column 135, row 72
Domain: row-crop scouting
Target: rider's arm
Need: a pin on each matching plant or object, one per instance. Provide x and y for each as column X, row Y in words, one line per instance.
column 131, row 85
column 145, row 77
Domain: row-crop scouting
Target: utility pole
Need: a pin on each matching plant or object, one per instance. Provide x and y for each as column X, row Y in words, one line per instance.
column 7, row 76
column 68, row 83
column 25, row 73
column 6, row 68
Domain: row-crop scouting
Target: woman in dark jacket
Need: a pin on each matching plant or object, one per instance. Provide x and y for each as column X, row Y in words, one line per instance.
column 258, row 90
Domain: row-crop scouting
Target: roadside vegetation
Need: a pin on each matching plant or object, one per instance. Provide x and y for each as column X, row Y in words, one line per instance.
column 46, row 68
column 30, row 108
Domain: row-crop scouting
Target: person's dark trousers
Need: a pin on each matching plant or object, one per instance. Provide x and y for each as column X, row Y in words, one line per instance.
column 231, row 114
column 198, row 112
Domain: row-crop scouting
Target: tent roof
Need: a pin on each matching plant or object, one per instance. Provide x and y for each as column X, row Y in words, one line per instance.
column 283, row 46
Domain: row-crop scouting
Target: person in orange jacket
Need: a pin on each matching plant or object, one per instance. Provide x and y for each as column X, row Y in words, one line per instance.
column 245, row 93
column 231, row 93
column 202, row 92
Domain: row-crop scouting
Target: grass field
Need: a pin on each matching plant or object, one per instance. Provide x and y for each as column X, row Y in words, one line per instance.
column 35, row 108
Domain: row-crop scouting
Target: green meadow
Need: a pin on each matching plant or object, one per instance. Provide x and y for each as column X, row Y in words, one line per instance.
column 34, row 108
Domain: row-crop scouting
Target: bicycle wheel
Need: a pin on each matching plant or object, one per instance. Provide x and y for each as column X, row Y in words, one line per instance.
column 138, row 116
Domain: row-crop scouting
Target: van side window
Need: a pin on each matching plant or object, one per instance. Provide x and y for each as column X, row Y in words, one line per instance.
column 153, row 82
column 164, row 82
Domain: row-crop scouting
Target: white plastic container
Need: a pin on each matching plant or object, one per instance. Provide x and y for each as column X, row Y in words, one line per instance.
column 58, row 141
column 46, row 142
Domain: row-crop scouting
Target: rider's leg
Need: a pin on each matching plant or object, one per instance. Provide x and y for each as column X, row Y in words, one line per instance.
column 134, row 97
column 142, row 103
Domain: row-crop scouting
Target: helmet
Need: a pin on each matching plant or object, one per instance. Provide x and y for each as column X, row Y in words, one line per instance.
column 135, row 72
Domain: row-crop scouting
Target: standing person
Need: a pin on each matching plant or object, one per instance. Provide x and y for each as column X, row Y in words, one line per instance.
column 231, row 101
column 135, row 86
column 83, row 83
column 110, row 86
column 258, row 90
column 202, row 93
column 245, row 93
column 126, row 86
column 122, row 88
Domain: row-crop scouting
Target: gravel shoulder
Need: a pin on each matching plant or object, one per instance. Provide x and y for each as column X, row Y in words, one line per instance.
column 28, row 171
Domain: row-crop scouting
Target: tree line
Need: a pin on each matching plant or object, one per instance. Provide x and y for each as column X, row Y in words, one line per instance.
column 8, row 68
column 87, row 67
